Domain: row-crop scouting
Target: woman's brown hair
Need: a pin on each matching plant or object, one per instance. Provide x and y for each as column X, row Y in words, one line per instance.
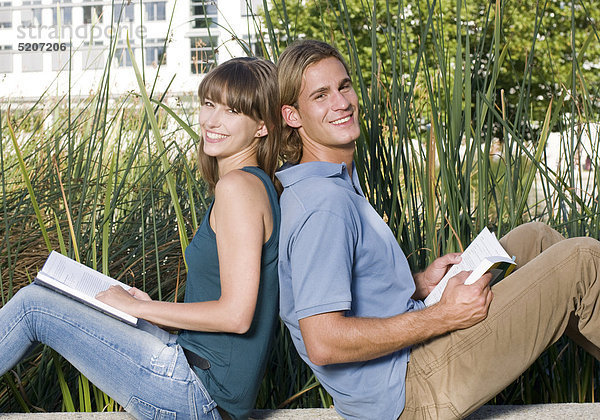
column 248, row 85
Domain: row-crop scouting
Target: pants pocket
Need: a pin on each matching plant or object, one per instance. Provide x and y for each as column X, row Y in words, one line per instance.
column 142, row 410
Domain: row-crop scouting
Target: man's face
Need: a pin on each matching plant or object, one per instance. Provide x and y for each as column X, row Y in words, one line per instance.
column 327, row 111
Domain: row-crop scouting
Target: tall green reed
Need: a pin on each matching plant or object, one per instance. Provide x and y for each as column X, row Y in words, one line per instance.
column 442, row 154
column 96, row 173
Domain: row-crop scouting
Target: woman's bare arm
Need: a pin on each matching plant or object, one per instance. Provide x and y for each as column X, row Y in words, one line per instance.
column 242, row 223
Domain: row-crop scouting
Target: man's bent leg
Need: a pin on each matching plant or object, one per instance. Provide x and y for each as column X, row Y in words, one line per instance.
column 454, row 374
column 527, row 241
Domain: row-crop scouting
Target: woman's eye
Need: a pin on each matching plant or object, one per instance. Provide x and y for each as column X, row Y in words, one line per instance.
column 233, row 111
column 208, row 103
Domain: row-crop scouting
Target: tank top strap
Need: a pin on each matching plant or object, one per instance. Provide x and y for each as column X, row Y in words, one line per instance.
column 271, row 191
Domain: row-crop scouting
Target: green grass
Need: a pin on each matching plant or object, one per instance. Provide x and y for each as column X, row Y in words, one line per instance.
column 442, row 154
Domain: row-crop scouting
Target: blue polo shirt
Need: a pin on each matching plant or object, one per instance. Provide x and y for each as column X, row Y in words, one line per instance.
column 337, row 254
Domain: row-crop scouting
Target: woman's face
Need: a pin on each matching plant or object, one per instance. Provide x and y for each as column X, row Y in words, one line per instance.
column 227, row 132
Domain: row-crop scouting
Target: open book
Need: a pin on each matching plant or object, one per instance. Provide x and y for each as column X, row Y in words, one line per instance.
column 484, row 254
column 81, row 283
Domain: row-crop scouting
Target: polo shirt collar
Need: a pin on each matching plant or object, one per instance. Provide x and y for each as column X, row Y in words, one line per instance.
column 290, row 174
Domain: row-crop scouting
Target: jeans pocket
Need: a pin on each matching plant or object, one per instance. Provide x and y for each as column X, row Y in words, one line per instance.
column 164, row 360
column 142, row 410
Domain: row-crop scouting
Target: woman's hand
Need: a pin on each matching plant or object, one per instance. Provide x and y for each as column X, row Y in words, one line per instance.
column 240, row 212
column 123, row 300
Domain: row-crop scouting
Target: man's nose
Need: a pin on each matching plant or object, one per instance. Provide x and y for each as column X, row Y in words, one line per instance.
column 340, row 101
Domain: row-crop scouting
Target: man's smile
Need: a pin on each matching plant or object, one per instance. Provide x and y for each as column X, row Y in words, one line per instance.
column 341, row 120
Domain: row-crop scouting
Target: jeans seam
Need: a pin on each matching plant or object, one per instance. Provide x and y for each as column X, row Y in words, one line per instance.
column 89, row 333
column 14, row 325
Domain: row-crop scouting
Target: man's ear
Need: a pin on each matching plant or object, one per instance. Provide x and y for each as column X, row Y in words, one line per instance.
column 290, row 116
column 262, row 130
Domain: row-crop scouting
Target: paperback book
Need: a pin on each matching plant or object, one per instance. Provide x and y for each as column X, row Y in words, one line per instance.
column 81, row 283
column 483, row 255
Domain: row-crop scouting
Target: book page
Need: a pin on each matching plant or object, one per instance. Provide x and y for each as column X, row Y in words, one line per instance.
column 77, row 276
column 484, row 245
column 81, row 283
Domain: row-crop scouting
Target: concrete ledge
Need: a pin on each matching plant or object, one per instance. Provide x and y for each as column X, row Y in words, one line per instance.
column 501, row 412
column 538, row 411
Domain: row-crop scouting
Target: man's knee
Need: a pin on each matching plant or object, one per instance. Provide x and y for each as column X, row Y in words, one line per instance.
column 583, row 244
column 536, row 229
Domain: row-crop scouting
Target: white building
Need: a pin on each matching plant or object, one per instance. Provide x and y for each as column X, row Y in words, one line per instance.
column 54, row 44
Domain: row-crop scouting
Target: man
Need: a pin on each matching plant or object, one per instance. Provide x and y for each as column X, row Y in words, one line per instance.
column 354, row 309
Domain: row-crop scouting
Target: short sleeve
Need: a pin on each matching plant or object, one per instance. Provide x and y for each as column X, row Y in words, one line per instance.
column 321, row 260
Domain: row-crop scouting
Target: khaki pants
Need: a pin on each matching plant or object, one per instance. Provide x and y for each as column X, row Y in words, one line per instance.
column 555, row 290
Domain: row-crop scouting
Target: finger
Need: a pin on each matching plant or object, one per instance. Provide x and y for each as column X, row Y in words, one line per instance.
column 460, row 277
column 489, row 298
column 449, row 259
column 455, row 256
column 484, row 281
column 463, row 275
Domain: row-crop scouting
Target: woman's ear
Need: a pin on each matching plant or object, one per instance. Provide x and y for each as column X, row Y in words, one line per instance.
column 291, row 116
column 262, row 130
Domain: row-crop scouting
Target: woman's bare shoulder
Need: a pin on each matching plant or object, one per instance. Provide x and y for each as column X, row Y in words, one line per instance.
column 243, row 190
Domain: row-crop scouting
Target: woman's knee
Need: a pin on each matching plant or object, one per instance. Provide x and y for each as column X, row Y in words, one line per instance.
column 35, row 295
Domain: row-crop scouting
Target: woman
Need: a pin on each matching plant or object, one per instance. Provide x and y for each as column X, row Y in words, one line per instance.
column 213, row 368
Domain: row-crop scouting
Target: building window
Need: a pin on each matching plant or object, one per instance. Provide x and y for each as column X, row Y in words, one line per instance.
column 32, row 61
column 92, row 14
column 204, row 13
column 155, row 52
column 60, row 60
column 61, row 15
column 123, row 12
column 122, row 57
column 5, row 15
column 156, row 10
column 203, row 54
column 6, row 59
column 92, row 55
column 250, row 7
column 31, row 16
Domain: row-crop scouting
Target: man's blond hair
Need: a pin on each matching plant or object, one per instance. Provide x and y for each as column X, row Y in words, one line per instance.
column 290, row 71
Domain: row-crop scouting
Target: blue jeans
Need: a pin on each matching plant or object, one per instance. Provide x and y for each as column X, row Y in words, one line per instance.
column 142, row 368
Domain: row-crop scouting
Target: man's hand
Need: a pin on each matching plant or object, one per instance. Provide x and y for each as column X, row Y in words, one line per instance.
column 466, row 305
column 428, row 279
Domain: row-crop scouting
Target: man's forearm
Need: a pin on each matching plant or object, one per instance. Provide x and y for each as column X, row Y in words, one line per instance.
column 334, row 338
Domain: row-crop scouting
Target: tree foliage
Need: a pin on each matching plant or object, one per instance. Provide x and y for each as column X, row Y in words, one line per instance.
column 541, row 39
